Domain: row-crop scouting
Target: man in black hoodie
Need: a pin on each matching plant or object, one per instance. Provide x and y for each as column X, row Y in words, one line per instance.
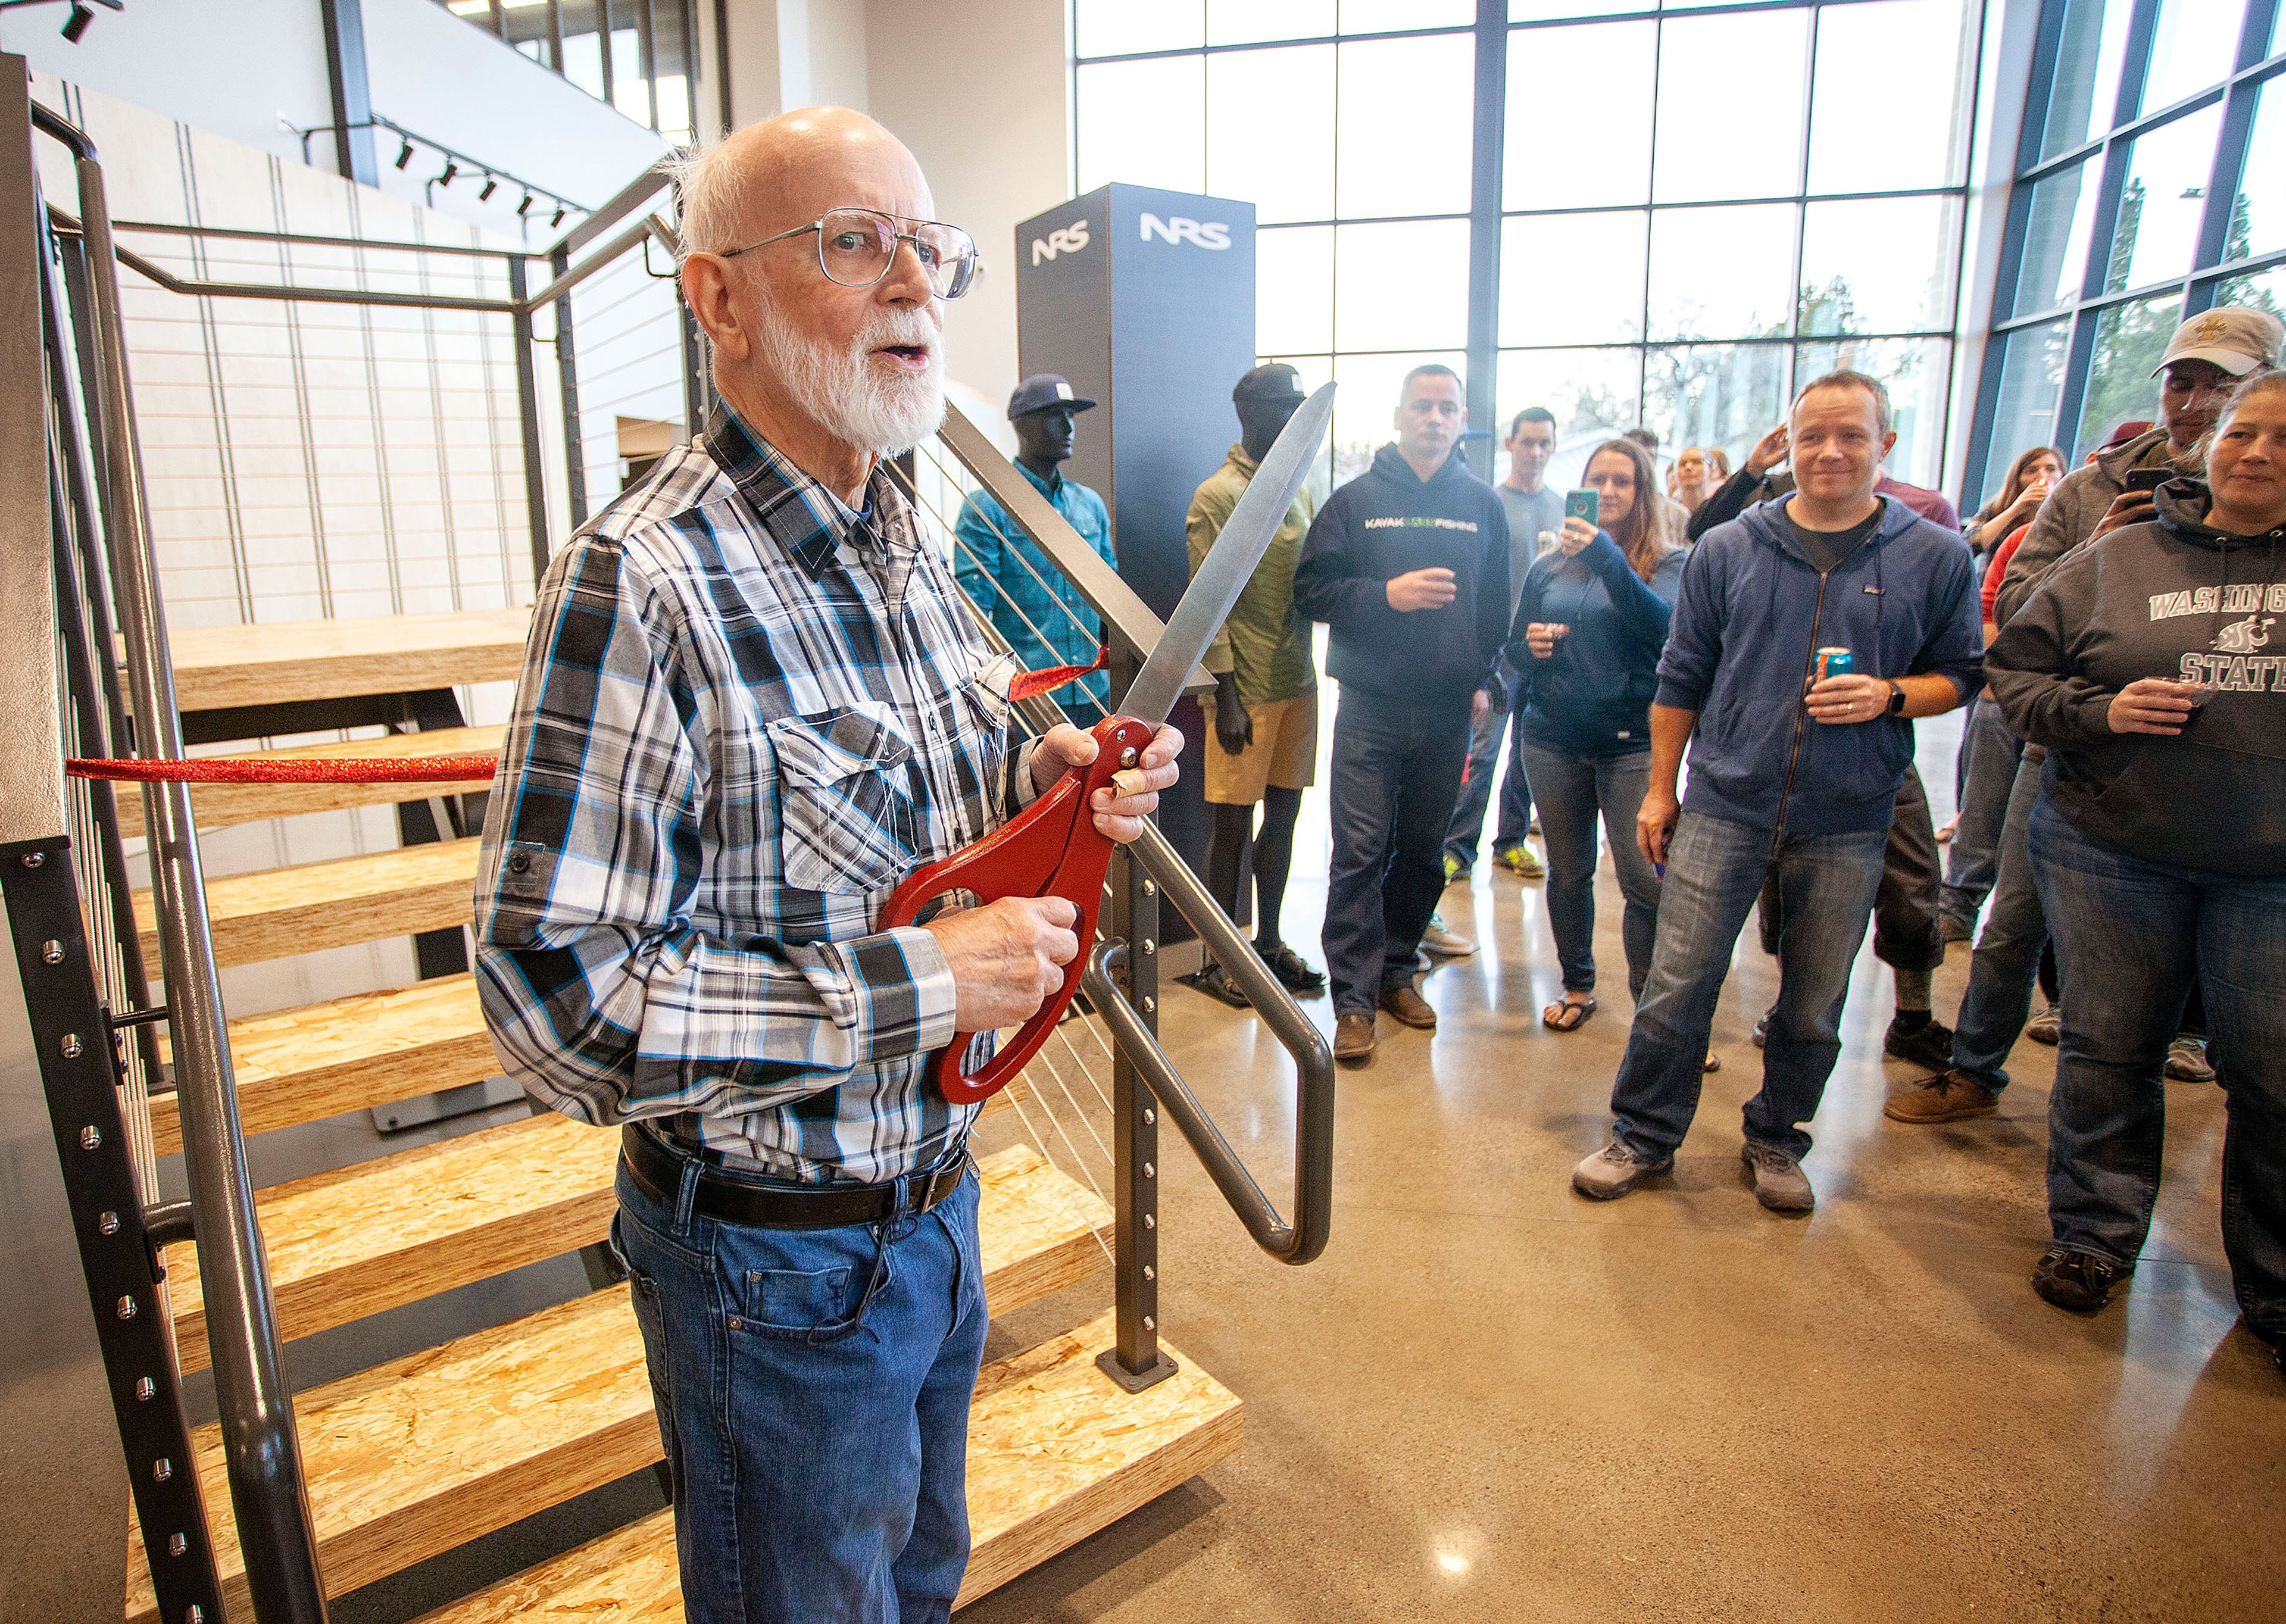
column 1407, row 564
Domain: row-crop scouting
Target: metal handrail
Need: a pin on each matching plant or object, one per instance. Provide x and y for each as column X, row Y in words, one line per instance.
column 1129, row 620
column 262, row 1450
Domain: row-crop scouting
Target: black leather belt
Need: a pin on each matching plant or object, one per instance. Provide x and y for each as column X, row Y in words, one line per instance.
column 728, row 1198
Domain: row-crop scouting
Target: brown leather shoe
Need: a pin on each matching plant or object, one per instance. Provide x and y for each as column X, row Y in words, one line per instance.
column 1949, row 1096
column 1409, row 1007
column 1353, row 1039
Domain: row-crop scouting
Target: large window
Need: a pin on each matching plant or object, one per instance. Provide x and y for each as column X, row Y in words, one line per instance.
column 638, row 55
column 2152, row 187
column 1691, row 213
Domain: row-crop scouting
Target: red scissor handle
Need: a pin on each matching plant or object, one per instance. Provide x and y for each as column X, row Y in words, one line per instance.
column 1050, row 849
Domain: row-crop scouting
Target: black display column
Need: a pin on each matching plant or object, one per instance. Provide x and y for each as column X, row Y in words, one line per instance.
column 1145, row 301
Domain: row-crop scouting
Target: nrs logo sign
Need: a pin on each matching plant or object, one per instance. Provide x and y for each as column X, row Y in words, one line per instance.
column 1071, row 240
column 1205, row 235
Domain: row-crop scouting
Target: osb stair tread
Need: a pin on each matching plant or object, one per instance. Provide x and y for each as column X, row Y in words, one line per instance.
column 317, row 1060
column 219, row 805
column 352, row 1242
column 345, row 1054
column 426, row 1453
column 221, row 665
column 1056, row 1451
column 274, row 913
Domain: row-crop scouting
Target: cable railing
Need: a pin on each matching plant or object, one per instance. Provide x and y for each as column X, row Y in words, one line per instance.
column 76, row 544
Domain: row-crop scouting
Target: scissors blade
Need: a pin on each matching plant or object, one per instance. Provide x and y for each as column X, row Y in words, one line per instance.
column 1230, row 563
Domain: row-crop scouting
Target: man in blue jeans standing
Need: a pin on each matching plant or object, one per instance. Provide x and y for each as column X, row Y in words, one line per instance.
column 752, row 700
column 1793, row 775
column 1407, row 563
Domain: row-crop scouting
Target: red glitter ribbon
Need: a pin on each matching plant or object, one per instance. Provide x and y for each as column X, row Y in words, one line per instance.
column 305, row 769
column 1027, row 684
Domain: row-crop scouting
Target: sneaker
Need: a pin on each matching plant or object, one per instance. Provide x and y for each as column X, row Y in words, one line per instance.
column 2186, row 1059
column 1456, row 870
column 1353, row 1039
column 1920, row 1037
column 2047, row 1027
column 1779, row 1183
column 1521, row 861
column 1437, row 940
column 2081, row 1281
column 1951, row 930
column 1615, row 1169
column 1409, row 1007
column 1295, row 972
column 1949, row 1096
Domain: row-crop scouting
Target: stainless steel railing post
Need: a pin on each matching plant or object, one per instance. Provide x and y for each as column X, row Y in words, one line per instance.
column 262, row 1452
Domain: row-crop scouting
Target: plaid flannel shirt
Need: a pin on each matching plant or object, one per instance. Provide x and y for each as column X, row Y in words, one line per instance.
column 745, row 713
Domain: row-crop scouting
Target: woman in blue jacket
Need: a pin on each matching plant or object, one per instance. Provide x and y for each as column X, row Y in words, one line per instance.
column 1589, row 626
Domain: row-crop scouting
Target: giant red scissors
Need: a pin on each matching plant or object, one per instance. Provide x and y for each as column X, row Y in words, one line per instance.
column 1052, row 848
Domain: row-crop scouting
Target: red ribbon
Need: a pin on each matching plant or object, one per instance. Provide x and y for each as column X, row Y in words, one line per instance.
column 1029, row 684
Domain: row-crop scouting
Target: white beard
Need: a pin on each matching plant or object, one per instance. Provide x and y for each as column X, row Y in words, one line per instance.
column 840, row 390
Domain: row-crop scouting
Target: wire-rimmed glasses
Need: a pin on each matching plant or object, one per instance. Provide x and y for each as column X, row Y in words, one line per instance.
column 856, row 248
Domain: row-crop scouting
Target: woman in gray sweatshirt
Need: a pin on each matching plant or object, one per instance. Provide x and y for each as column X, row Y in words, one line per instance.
column 2145, row 663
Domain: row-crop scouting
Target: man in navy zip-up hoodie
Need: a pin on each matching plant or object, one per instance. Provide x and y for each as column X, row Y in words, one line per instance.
column 1790, row 776
column 1408, row 565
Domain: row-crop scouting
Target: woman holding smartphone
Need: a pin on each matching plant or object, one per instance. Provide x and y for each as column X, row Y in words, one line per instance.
column 1590, row 621
column 2159, row 847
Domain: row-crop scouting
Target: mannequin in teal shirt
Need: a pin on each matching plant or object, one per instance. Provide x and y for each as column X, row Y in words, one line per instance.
column 1039, row 612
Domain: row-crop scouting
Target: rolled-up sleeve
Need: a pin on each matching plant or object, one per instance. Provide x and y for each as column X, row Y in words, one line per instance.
column 604, row 999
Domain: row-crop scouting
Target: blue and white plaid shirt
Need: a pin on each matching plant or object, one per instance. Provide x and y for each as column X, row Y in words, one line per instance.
column 745, row 713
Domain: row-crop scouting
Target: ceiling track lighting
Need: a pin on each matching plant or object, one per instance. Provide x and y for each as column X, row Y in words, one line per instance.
column 77, row 23
column 525, row 207
column 404, row 153
column 491, row 185
column 452, row 168
column 558, row 219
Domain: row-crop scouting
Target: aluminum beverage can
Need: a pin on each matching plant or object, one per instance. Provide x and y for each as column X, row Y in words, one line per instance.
column 1835, row 662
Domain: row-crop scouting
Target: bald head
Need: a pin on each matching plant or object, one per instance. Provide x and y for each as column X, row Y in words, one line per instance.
column 786, row 171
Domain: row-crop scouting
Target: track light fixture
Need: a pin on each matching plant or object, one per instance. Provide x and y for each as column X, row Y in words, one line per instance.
column 452, row 168
column 491, row 185
column 558, row 219
column 525, row 207
column 404, row 153
column 77, row 23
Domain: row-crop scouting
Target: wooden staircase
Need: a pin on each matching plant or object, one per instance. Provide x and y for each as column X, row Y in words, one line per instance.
column 411, row 1458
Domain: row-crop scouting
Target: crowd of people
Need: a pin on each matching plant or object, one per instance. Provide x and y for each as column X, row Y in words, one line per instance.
column 1723, row 667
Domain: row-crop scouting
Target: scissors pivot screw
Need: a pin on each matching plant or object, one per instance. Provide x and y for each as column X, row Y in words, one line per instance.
column 1128, row 756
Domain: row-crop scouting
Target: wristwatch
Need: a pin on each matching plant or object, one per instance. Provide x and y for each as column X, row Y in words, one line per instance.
column 1896, row 697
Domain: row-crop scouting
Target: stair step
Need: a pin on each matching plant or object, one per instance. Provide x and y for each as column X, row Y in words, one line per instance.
column 274, row 913
column 416, row 1456
column 1056, row 1451
column 219, row 805
column 216, row 666
column 352, row 1242
column 318, row 1060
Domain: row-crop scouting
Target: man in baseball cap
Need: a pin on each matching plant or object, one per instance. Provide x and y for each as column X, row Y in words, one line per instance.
column 1028, row 601
column 2238, row 340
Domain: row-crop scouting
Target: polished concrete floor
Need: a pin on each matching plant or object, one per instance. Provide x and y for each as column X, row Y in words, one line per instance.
column 1491, row 1399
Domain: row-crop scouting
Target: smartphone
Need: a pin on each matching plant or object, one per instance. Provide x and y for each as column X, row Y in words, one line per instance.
column 1586, row 505
column 2148, row 478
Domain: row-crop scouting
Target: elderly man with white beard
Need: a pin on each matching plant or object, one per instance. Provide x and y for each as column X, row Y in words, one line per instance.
column 752, row 700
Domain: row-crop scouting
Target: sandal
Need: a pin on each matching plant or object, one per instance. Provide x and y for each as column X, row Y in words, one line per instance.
column 1215, row 982
column 1294, row 971
column 1554, row 1017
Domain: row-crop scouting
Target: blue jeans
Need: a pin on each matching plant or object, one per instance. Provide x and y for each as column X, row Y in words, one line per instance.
column 1971, row 865
column 813, row 1390
column 2133, row 937
column 1573, row 788
column 2007, row 958
column 1823, row 897
column 1396, row 766
column 1467, row 828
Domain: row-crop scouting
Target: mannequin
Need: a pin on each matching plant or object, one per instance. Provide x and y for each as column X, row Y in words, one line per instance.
column 1044, row 438
column 1265, row 707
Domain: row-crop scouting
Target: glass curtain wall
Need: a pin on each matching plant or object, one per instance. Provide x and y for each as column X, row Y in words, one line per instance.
column 638, row 55
column 2151, row 186
column 1695, row 209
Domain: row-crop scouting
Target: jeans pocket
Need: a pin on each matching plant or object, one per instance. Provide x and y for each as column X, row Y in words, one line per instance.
column 814, row 1305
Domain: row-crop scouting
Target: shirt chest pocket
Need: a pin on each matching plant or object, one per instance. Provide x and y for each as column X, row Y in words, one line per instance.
column 844, row 803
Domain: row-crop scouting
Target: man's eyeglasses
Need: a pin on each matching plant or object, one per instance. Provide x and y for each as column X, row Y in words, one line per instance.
column 856, row 248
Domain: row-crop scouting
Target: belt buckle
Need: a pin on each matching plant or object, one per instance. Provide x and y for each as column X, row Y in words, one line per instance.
column 942, row 1182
